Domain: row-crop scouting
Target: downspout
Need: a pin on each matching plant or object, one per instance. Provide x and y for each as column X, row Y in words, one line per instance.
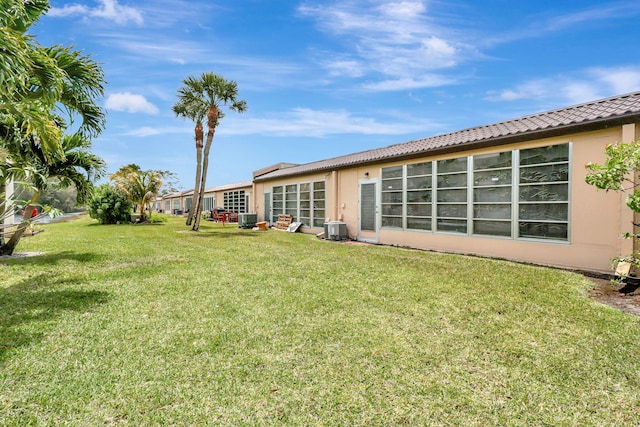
column 334, row 183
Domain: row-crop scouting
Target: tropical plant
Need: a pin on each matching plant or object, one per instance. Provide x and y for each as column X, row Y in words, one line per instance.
column 140, row 187
column 617, row 174
column 170, row 182
column 108, row 205
column 198, row 98
column 74, row 165
column 43, row 90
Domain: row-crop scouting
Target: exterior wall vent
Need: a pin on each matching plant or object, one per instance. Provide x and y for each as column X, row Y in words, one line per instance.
column 335, row 230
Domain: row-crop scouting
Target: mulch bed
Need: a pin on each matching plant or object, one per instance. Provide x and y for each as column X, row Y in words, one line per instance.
column 623, row 296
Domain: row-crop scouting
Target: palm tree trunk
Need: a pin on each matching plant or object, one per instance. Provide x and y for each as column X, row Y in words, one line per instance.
column 9, row 247
column 196, row 188
column 212, row 120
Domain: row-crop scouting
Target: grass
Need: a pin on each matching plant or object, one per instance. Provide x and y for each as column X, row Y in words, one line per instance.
column 146, row 325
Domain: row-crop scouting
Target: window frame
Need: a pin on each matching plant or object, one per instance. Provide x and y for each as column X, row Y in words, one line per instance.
column 394, row 200
column 312, row 189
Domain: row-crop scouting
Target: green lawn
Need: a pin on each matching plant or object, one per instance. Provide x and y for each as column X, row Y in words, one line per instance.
column 148, row 325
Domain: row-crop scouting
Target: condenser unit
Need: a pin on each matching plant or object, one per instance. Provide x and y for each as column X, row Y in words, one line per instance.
column 335, row 230
column 247, row 220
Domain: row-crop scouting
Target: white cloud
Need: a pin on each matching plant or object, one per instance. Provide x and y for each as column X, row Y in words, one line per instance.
column 108, row 9
column 131, row 103
column 394, row 40
column 535, row 27
column 68, row 10
column 405, row 83
column 299, row 122
column 621, row 79
column 349, row 67
column 305, row 122
column 582, row 86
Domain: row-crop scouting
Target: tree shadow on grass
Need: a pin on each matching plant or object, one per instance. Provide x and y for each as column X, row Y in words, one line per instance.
column 27, row 308
column 223, row 234
column 51, row 259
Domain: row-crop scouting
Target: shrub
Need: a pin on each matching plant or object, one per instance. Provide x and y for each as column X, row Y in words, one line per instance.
column 617, row 174
column 109, row 206
column 156, row 217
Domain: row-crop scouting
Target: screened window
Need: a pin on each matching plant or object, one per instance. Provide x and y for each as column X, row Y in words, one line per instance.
column 305, row 202
column 521, row 193
column 277, row 201
column 291, row 201
column 318, row 201
column 234, row 201
column 451, row 202
column 543, row 202
column 208, row 203
column 167, row 206
column 492, row 191
column 418, row 196
column 392, row 197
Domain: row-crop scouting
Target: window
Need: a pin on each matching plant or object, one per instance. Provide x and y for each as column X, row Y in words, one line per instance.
column 418, row 196
column 305, row 202
column 521, row 193
column 277, row 202
column 492, row 191
column 187, row 203
column 318, row 200
column 208, row 203
column 291, row 201
column 392, row 197
column 543, row 202
column 167, row 206
column 451, row 202
column 234, row 201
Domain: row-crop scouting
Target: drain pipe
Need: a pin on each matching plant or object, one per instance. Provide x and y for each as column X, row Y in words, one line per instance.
column 334, row 184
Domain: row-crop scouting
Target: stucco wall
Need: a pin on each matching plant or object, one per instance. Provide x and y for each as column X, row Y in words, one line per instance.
column 596, row 218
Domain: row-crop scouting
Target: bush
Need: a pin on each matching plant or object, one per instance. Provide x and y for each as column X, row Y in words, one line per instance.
column 156, row 217
column 109, row 206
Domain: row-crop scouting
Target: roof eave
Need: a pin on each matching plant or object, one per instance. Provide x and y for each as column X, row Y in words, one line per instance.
column 592, row 125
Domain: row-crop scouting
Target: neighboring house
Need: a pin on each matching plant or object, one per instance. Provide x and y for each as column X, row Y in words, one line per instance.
column 231, row 197
column 176, row 203
column 513, row 189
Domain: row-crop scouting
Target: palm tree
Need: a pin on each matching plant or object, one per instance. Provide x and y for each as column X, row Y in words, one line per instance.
column 186, row 107
column 74, row 165
column 200, row 97
column 41, row 91
column 140, row 187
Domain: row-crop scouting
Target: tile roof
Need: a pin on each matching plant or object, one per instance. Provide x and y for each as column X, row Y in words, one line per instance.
column 588, row 116
column 234, row 186
column 225, row 187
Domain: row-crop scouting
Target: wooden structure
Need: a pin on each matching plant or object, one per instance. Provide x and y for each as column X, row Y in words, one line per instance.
column 284, row 221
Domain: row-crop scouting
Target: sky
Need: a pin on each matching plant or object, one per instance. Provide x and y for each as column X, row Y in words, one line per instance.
column 327, row 78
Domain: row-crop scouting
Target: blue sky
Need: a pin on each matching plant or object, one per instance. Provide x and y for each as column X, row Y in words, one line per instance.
column 327, row 78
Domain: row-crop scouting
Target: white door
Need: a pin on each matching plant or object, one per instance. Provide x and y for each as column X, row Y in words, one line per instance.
column 369, row 211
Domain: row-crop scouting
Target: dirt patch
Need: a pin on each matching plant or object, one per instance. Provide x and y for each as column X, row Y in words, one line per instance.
column 623, row 296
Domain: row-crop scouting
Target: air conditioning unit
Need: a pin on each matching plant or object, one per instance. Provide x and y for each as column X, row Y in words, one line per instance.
column 247, row 220
column 335, row 230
